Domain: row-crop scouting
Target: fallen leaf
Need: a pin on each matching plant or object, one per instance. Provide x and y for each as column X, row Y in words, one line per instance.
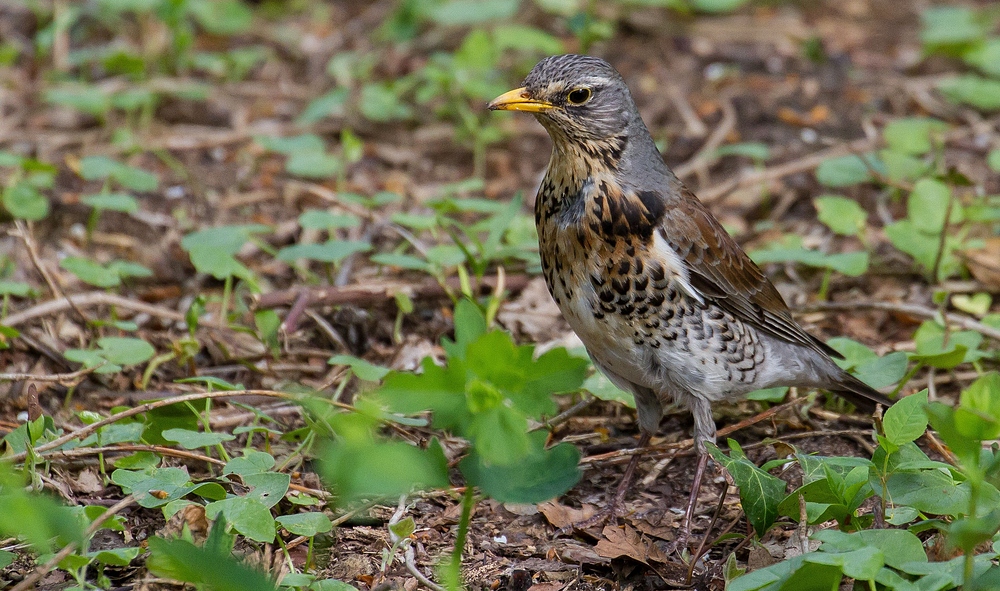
column 984, row 263
column 547, row 586
column 626, row 541
column 87, row 482
column 563, row 516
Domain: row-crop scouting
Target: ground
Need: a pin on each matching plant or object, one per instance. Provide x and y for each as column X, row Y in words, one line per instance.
column 802, row 78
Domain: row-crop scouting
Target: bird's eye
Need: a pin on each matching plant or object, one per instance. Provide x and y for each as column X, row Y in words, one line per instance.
column 578, row 96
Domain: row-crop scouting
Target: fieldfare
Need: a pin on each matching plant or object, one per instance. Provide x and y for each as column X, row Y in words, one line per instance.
column 667, row 303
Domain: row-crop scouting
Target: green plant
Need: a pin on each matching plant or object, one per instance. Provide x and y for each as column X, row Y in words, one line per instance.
column 486, row 393
column 953, row 503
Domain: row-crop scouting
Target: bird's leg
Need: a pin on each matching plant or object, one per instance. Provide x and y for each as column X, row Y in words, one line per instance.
column 611, row 509
column 681, row 542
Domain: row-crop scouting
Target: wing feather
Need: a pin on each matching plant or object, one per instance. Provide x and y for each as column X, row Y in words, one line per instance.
column 722, row 272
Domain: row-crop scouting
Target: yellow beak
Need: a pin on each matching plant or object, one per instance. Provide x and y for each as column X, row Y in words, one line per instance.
column 518, row 100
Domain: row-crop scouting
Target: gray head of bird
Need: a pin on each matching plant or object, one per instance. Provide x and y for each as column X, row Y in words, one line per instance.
column 577, row 98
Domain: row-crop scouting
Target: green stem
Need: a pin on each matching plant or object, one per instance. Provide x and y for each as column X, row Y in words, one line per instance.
column 227, row 292
column 468, row 502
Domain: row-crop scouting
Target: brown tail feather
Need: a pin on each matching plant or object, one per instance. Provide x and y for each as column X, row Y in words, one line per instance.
column 859, row 393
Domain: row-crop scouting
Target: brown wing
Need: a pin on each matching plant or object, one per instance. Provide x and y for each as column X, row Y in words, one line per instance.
column 723, row 272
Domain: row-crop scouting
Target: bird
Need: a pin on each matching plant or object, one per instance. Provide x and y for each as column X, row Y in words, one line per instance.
column 668, row 305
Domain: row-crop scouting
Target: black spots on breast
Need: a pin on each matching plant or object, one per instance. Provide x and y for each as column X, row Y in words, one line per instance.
column 626, row 215
column 621, row 284
column 655, row 205
column 656, row 272
column 641, row 282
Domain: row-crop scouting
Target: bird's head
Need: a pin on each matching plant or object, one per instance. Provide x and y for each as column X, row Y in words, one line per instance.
column 576, row 97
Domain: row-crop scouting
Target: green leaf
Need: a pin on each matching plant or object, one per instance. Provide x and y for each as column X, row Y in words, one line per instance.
column 195, row 439
column 862, row 564
column 950, row 25
column 214, row 568
column 289, row 145
column 332, row 251
column 993, row 159
column 7, row 558
column 985, row 57
column 914, row 135
column 524, row 38
column 756, row 151
column 82, row 97
column 252, row 462
column 212, row 250
column 153, row 487
column 305, row 524
column 90, row 272
column 267, row 487
column 112, row 201
column 472, row 12
column 379, row 470
column 125, row 350
column 320, row 219
column 313, row 164
column 326, row 105
column 222, row 17
column 760, row 493
column 115, row 556
column 25, row 202
column 977, row 304
column 929, row 491
column 883, row 371
column 331, row 585
column 380, row 103
column 790, row 248
column 773, row 395
column 905, row 421
column 983, row 396
column 35, row 518
column 363, row 369
column 717, row 6
column 928, row 205
column 248, row 516
column 498, row 434
column 600, row 386
column 470, row 325
column 972, row 90
column 944, row 351
column 845, row 171
column 541, row 476
column 842, row 215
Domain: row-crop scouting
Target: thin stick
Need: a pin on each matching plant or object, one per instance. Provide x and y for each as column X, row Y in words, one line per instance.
column 91, row 428
column 59, row 378
column 34, row 577
column 25, row 232
column 910, row 309
column 97, row 298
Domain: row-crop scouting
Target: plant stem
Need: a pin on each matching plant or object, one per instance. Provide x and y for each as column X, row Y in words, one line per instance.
column 227, row 291
column 468, row 502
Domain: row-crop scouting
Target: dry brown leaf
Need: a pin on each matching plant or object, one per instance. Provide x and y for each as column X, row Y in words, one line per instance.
column 562, row 516
column 88, row 482
column 547, row 586
column 626, row 541
column 984, row 263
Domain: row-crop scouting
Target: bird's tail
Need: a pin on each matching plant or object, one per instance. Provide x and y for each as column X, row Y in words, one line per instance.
column 858, row 393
